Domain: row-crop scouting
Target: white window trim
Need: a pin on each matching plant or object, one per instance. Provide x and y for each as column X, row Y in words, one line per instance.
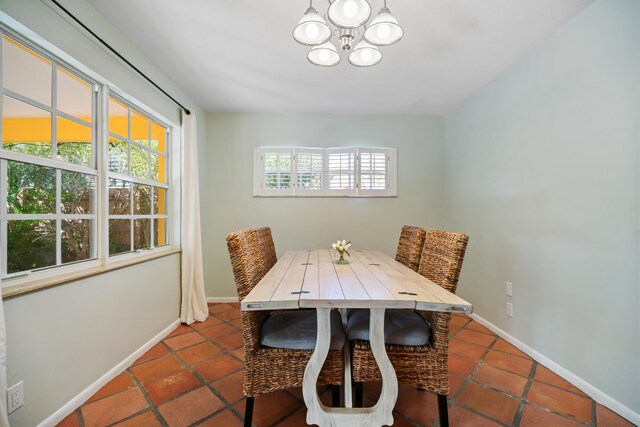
column 295, row 191
column 18, row 283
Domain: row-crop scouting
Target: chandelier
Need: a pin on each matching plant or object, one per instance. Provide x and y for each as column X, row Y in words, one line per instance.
column 347, row 16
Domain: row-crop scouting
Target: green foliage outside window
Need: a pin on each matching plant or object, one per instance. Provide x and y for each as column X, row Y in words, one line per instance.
column 31, row 190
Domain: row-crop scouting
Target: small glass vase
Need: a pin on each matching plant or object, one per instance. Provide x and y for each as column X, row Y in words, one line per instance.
column 341, row 260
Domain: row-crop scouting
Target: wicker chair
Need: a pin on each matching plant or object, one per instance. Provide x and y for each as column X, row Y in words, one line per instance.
column 426, row 366
column 410, row 246
column 269, row 369
column 267, row 247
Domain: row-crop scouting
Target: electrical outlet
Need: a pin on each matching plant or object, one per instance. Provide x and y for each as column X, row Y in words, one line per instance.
column 509, row 289
column 509, row 309
column 15, row 397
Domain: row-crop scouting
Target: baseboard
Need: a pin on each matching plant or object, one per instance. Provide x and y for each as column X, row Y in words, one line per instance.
column 221, row 299
column 594, row 392
column 74, row 403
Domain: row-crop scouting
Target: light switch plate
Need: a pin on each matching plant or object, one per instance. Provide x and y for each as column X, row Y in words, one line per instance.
column 509, row 309
column 509, row 289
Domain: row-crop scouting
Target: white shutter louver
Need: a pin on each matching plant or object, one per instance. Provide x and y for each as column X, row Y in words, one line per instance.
column 310, row 172
column 377, row 172
column 275, row 173
column 373, row 171
column 341, row 171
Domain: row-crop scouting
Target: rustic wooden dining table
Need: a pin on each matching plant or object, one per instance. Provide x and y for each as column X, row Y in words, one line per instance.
column 372, row 280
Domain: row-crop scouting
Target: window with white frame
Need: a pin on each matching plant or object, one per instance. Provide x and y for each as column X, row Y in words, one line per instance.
column 324, row 172
column 137, row 184
column 47, row 162
column 50, row 167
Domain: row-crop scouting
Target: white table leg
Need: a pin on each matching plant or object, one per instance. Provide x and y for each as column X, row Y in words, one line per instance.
column 378, row 415
column 347, row 390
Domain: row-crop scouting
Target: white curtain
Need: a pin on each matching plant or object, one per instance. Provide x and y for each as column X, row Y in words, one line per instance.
column 194, row 301
column 4, row 420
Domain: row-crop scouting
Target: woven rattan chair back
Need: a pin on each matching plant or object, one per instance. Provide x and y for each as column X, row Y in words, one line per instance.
column 247, row 261
column 267, row 247
column 442, row 257
column 410, row 246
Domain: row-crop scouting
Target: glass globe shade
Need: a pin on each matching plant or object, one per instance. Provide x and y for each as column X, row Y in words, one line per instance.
column 365, row 55
column 312, row 30
column 383, row 30
column 324, row 55
column 349, row 13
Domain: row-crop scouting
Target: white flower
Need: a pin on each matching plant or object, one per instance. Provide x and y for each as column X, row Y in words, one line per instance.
column 341, row 245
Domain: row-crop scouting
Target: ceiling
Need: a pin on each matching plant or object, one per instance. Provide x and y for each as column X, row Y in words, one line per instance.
column 239, row 56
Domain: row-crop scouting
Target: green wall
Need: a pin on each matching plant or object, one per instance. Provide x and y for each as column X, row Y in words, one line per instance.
column 542, row 170
column 372, row 223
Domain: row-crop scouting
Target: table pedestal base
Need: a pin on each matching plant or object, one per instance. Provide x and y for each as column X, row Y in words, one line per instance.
column 378, row 415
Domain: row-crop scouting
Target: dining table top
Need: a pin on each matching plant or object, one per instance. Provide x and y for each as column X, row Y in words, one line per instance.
column 371, row 279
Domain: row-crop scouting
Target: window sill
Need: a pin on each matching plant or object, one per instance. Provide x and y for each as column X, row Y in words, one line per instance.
column 11, row 291
column 322, row 196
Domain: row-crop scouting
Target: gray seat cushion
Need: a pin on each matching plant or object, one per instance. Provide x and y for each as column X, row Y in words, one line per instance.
column 297, row 330
column 401, row 327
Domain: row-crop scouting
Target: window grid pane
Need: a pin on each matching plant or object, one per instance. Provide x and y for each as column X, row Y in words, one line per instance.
column 76, row 240
column 75, row 95
column 25, row 128
column 373, row 171
column 74, row 142
column 119, row 236
column 310, row 168
column 278, row 170
column 16, row 58
column 31, row 189
column 31, row 244
column 78, row 193
column 341, row 171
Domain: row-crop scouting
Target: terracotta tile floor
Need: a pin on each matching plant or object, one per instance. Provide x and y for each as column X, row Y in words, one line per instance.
column 194, row 377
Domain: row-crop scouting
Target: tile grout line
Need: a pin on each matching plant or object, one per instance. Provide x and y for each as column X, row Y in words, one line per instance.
column 152, row 405
column 225, row 402
column 80, row 417
column 468, row 380
column 523, row 400
column 197, row 375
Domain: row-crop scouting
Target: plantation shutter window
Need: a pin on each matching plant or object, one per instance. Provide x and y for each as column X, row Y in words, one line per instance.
column 341, row 171
column 275, row 172
column 324, row 172
column 310, row 171
column 375, row 171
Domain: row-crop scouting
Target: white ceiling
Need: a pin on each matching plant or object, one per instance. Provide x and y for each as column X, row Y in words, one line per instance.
column 239, row 56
